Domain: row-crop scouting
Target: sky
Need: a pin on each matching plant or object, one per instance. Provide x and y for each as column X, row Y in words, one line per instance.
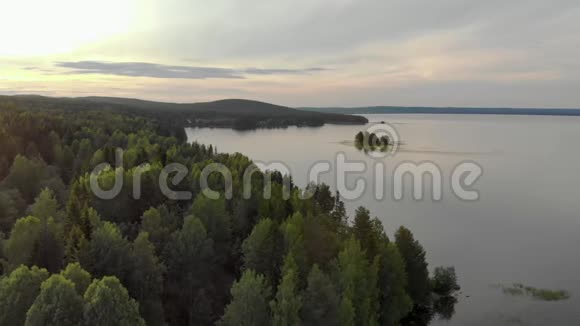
column 493, row 53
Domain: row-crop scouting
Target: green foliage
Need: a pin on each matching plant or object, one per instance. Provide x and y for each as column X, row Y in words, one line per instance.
column 45, row 205
column 146, row 280
column 19, row 248
column 444, row 281
column 547, row 294
column 17, row 293
column 321, row 239
column 275, row 207
column 156, row 226
column 136, row 265
column 26, row 175
column 359, row 138
column 288, row 301
column 188, row 256
column 152, row 262
column 339, row 212
column 49, row 247
column 80, row 278
column 107, row 253
column 358, row 281
column 324, row 199
column 371, row 142
column 346, row 312
column 293, row 232
column 58, row 304
column 76, row 244
column 394, row 301
column 262, row 250
column 108, row 303
column 249, row 305
column 11, row 204
column 321, row 301
column 212, row 213
column 518, row 289
column 369, row 232
column 76, row 209
column 413, row 254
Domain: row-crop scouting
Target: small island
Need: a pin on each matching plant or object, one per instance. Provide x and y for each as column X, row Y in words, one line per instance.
column 371, row 142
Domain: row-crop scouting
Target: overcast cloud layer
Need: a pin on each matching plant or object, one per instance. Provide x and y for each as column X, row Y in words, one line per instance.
column 143, row 69
column 520, row 53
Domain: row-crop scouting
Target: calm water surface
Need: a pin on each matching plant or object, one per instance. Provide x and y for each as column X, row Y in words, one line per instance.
column 525, row 227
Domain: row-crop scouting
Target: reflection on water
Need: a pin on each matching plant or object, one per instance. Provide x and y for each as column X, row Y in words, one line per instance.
column 523, row 229
column 443, row 310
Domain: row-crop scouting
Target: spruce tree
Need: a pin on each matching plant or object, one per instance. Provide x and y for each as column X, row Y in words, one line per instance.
column 249, row 305
column 413, row 254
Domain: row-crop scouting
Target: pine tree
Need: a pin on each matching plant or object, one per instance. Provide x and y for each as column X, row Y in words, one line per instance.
column 153, row 224
column 188, row 256
column 365, row 232
column 146, row 280
column 45, row 205
column 262, row 250
column 394, row 301
column 339, row 211
column 293, row 232
column 413, row 254
column 107, row 253
column 358, row 280
column 249, row 305
column 49, row 246
column 321, row 301
column 217, row 222
column 75, row 209
column 75, row 244
column 288, row 301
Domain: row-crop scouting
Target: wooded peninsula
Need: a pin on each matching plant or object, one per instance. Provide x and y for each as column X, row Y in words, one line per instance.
column 69, row 257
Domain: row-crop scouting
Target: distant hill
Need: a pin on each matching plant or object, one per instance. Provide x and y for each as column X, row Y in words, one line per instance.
column 231, row 113
column 440, row 110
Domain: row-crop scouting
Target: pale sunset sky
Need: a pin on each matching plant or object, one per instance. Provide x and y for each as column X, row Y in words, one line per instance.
column 494, row 53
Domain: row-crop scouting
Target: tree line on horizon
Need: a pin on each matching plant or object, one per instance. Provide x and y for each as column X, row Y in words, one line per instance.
column 70, row 258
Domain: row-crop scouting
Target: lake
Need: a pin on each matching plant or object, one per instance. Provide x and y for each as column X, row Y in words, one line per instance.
column 524, row 228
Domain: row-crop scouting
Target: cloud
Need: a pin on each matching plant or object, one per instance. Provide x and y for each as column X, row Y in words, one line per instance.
column 259, row 28
column 144, row 69
column 374, row 52
column 257, row 71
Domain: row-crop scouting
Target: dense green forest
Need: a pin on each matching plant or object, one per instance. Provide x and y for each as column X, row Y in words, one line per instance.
column 237, row 114
column 70, row 258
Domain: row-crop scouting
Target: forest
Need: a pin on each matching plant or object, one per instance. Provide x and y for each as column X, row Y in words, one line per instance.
column 71, row 258
column 233, row 113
